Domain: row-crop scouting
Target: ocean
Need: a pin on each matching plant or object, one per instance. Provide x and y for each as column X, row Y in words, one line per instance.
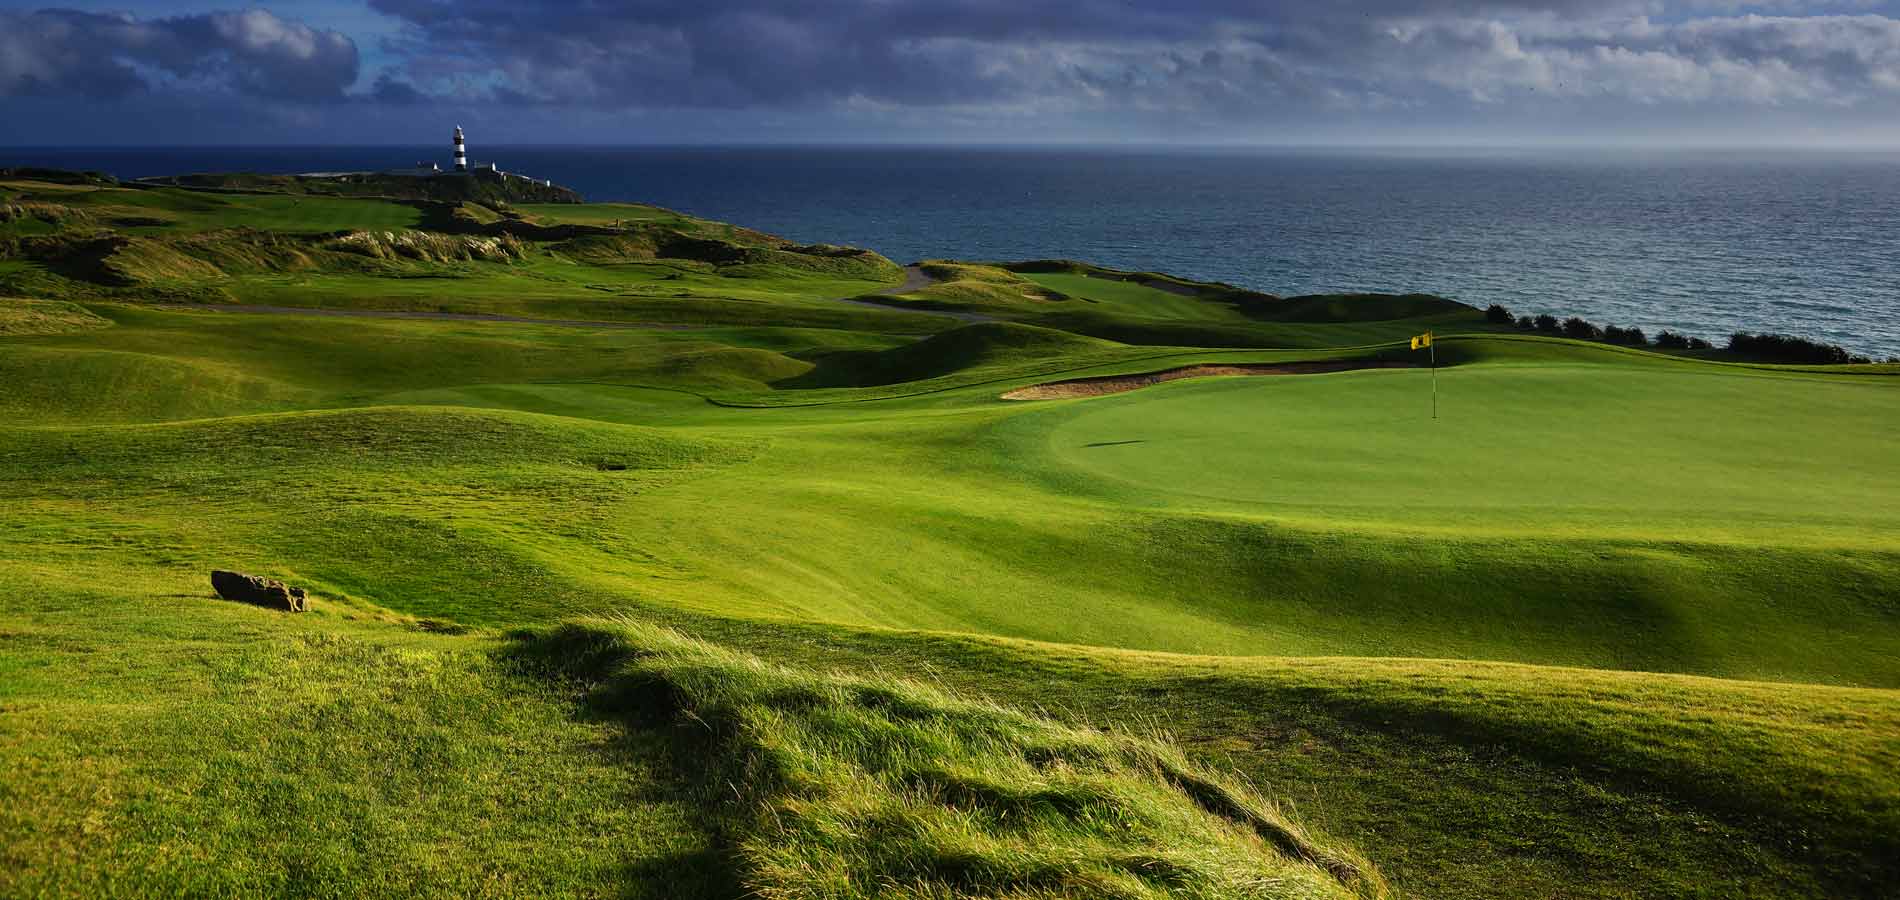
column 1699, row 242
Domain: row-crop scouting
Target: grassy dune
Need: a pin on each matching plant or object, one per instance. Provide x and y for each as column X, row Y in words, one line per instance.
column 1615, row 624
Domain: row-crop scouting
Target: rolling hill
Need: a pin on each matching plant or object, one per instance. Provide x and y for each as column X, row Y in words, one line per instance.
column 654, row 556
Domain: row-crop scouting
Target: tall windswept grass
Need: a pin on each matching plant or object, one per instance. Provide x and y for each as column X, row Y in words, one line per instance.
column 966, row 284
column 426, row 246
column 19, row 316
column 49, row 213
column 846, row 787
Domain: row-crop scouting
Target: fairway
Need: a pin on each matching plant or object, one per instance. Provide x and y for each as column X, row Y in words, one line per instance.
column 768, row 587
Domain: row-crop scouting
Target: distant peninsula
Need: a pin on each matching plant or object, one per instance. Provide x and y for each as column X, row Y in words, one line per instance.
column 462, row 182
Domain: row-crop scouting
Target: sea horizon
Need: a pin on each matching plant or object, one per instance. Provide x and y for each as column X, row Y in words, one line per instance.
column 1706, row 241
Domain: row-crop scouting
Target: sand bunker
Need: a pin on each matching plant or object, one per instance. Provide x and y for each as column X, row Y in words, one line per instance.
column 1115, row 384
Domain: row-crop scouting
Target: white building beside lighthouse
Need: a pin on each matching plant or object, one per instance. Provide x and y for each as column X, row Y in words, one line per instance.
column 510, row 183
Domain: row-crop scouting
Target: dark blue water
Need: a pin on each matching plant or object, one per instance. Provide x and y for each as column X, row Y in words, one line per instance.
column 1706, row 243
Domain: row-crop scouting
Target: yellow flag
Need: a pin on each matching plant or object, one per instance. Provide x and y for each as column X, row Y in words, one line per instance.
column 1422, row 341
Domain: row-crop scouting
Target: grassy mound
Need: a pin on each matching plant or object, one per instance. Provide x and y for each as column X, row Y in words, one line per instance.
column 1464, row 779
column 390, row 438
column 1213, row 300
column 730, row 368
column 114, row 260
column 22, row 317
column 428, row 247
column 199, row 261
column 478, row 516
column 969, row 286
column 50, row 383
column 849, row 787
column 982, row 345
column 36, row 217
column 739, row 253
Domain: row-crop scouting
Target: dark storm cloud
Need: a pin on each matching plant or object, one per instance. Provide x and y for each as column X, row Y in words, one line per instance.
column 976, row 69
column 69, row 53
column 1082, row 54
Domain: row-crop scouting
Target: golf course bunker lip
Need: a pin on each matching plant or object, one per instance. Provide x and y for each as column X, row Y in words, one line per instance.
column 1098, row 385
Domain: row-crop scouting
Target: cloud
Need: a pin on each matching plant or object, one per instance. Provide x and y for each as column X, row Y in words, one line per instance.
column 1100, row 68
column 253, row 53
column 1220, row 57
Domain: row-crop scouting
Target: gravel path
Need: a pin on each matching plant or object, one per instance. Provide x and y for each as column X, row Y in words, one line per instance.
column 915, row 279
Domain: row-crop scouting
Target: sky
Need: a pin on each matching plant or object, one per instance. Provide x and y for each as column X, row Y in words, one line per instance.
column 1821, row 73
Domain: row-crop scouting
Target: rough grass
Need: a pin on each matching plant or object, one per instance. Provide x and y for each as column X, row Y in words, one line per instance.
column 851, row 787
column 170, row 210
column 159, row 742
column 1466, row 779
column 969, row 351
column 428, row 247
column 1138, row 299
column 20, row 316
column 972, row 287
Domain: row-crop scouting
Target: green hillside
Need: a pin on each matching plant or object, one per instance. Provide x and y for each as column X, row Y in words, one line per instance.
column 659, row 557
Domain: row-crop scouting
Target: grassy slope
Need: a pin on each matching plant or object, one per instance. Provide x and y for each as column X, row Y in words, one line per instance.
column 173, row 210
column 1576, row 505
column 160, row 744
column 1476, row 780
column 1296, row 515
column 1130, row 298
column 773, row 288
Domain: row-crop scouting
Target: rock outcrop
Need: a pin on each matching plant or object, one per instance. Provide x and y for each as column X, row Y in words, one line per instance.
column 266, row 592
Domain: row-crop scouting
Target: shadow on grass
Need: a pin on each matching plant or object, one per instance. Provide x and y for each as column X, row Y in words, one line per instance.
column 807, row 782
column 588, row 666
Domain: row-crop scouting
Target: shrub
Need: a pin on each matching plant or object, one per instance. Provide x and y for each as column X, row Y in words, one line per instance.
column 1497, row 313
column 1631, row 337
column 1575, row 327
column 1696, row 343
column 1526, row 323
column 1786, row 348
column 1547, row 323
column 1672, row 340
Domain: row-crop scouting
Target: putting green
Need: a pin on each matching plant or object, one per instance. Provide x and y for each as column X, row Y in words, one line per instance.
column 1705, row 453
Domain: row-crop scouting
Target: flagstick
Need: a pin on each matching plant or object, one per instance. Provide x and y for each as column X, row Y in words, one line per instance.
column 1434, row 348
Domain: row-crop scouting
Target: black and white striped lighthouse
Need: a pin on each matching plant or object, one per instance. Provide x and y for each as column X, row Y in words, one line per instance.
column 461, row 152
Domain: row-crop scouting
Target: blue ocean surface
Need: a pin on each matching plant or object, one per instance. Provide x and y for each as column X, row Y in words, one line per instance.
column 1700, row 242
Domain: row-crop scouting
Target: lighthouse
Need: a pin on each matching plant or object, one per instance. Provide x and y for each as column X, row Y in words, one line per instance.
column 461, row 152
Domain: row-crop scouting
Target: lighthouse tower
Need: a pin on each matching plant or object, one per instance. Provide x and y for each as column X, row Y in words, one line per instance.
column 461, row 152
